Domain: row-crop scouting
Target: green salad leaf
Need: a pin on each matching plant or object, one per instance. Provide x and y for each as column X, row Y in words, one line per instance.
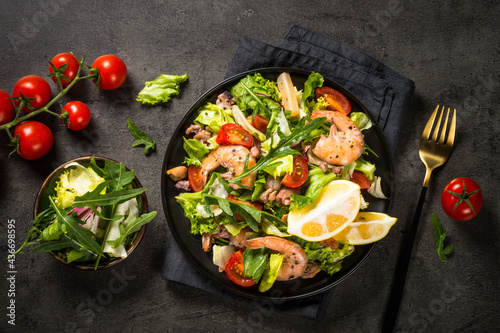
column 330, row 260
column 141, row 138
column 83, row 236
column 255, row 262
column 161, row 90
column 283, row 148
column 213, row 117
column 440, row 236
column 271, row 273
column 133, row 225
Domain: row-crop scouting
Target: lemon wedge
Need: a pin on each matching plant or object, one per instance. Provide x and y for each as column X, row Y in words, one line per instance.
column 367, row 227
column 333, row 210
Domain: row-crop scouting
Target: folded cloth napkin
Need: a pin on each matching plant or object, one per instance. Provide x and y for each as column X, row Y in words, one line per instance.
column 384, row 92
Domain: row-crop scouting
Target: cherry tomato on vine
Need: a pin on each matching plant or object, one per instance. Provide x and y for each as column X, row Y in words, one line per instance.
column 234, row 134
column 462, row 199
column 235, row 270
column 71, row 69
column 7, row 109
column 360, row 179
column 194, row 178
column 32, row 86
column 299, row 175
column 336, row 100
column 35, row 139
column 78, row 115
column 112, row 71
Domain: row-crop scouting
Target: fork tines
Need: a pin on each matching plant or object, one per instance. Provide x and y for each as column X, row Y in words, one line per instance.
column 444, row 139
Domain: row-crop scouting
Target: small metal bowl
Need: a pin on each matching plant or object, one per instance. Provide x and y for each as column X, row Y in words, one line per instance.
column 47, row 189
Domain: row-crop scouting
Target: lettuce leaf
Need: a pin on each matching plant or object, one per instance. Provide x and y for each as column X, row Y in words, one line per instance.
column 361, row 120
column 328, row 258
column 271, row 273
column 365, row 167
column 213, row 117
column 266, row 91
column 161, row 89
column 75, row 181
column 196, row 151
column 315, row 80
column 189, row 201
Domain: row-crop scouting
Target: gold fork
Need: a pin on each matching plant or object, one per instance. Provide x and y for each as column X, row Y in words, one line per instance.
column 434, row 149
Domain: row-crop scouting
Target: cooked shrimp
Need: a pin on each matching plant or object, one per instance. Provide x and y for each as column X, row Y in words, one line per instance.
column 311, row 270
column 240, row 239
column 231, row 157
column 344, row 144
column 294, row 258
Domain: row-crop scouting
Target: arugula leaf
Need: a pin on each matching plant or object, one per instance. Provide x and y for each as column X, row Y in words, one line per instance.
column 83, row 236
column 95, row 198
column 134, row 225
column 118, row 175
column 141, row 138
column 440, row 236
column 54, row 245
column 41, row 221
column 283, row 148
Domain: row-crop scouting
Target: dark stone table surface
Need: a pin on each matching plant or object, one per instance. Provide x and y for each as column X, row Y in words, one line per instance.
column 449, row 48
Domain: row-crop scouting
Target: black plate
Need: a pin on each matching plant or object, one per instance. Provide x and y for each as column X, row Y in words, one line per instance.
column 191, row 245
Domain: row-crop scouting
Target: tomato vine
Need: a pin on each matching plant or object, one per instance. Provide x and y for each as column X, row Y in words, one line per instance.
column 58, row 74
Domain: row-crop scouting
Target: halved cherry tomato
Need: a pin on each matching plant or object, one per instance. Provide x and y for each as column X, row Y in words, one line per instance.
column 259, row 123
column 194, row 177
column 253, row 204
column 235, row 270
column 299, row 175
column 337, row 101
column 234, row 134
column 360, row 179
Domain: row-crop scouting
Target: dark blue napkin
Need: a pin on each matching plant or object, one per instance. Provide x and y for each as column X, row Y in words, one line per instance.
column 383, row 91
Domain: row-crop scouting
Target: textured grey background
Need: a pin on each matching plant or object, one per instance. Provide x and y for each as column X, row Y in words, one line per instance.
column 449, row 48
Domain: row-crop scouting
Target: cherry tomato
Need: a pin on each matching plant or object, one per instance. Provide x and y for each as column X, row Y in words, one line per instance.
column 7, row 109
column 194, row 178
column 336, row 100
column 70, row 71
column 237, row 216
column 35, row 139
column 235, row 270
column 32, row 86
column 462, row 199
column 112, row 71
column 78, row 115
column 234, row 134
column 299, row 175
column 259, row 123
column 360, row 179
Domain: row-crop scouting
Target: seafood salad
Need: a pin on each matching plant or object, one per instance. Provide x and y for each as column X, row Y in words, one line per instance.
column 272, row 176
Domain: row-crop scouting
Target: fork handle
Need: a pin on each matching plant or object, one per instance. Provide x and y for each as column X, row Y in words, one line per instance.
column 392, row 309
